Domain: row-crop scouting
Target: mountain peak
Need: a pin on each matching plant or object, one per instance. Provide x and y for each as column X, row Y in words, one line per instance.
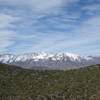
column 58, row 60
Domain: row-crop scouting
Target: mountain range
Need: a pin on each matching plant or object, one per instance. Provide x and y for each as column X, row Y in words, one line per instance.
column 58, row 61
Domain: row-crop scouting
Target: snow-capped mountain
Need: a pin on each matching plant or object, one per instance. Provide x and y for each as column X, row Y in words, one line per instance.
column 49, row 61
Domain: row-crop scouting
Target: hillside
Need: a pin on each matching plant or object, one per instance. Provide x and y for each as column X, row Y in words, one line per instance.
column 22, row 84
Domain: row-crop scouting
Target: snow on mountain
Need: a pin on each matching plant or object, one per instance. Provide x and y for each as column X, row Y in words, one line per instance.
column 60, row 60
column 40, row 56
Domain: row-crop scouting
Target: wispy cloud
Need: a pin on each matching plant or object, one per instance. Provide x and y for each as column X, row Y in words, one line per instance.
column 49, row 25
column 7, row 20
column 37, row 4
column 6, row 35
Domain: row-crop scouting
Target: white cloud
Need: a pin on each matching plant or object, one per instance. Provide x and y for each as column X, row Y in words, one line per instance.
column 6, row 35
column 6, row 20
column 6, row 39
column 38, row 5
column 92, row 7
column 42, row 16
column 85, row 34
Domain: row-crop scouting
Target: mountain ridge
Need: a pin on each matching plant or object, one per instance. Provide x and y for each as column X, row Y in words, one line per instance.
column 43, row 60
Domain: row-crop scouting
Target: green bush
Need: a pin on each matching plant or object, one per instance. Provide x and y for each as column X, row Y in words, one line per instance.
column 23, row 84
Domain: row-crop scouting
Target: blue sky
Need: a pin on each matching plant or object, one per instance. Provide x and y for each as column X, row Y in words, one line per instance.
column 51, row 26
